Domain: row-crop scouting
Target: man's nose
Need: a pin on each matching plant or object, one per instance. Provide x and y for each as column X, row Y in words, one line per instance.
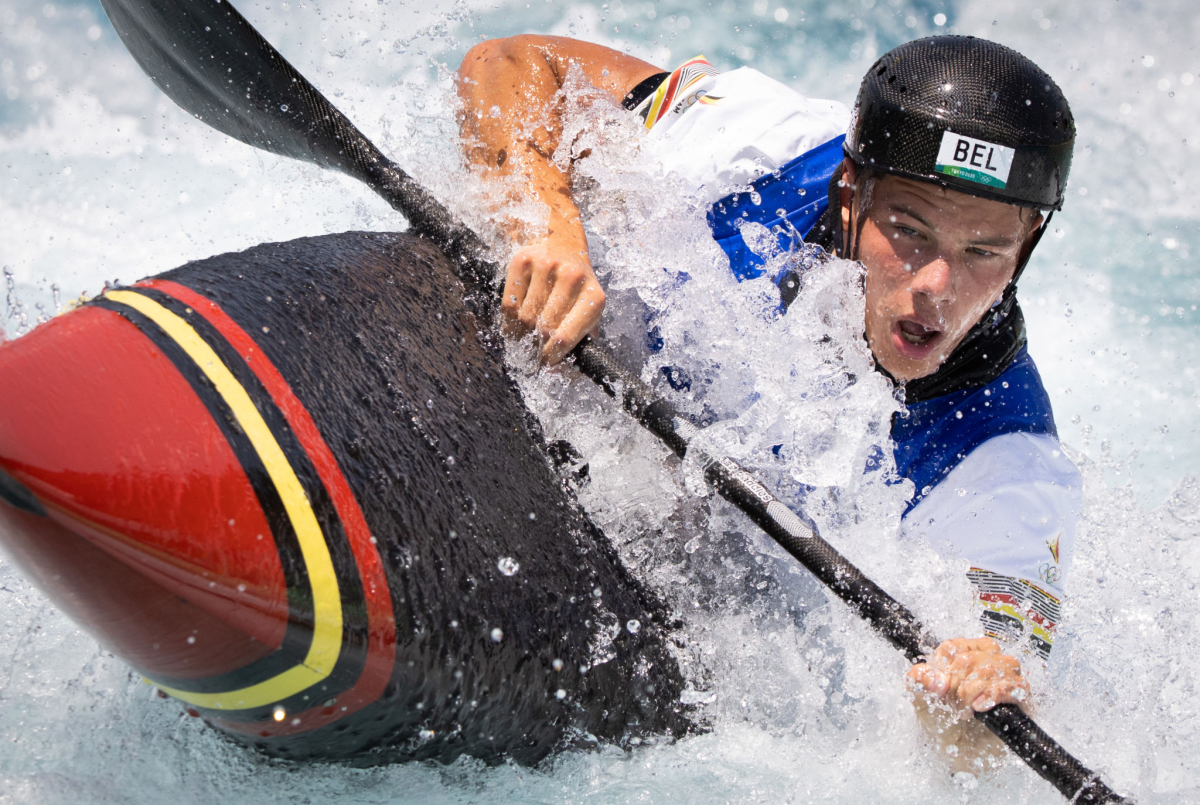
column 934, row 280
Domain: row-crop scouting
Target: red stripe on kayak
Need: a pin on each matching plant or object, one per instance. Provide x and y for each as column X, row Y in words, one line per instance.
column 381, row 620
column 101, row 426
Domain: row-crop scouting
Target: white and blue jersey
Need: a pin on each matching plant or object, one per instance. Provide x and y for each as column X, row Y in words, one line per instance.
column 992, row 483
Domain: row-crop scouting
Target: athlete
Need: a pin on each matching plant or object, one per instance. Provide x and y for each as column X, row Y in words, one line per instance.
column 941, row 182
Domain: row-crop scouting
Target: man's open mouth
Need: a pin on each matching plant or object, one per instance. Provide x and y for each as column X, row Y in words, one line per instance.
column 917, row 334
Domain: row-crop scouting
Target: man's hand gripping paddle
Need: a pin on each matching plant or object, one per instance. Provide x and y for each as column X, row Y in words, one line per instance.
column 207, row 58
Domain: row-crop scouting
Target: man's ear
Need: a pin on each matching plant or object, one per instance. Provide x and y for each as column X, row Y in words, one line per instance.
column 1035, row 225
column 846, row 191
column 1032, row 236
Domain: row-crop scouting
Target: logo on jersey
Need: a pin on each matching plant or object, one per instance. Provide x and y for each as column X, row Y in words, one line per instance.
column 1048, row 571
column 1052, row 544
column 974, row 160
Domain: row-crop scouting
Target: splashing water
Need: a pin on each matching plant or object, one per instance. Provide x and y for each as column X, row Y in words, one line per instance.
column 109, row 180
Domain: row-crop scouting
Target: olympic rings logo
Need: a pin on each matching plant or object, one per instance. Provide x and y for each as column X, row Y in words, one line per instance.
column 1049, row 573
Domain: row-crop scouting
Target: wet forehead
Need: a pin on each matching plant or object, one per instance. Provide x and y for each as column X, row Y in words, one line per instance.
column 944, row 209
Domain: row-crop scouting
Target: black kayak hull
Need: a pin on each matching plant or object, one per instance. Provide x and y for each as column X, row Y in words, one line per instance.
column 296, row 488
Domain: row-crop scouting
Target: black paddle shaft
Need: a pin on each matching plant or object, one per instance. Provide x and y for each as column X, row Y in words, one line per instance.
column 208, row 59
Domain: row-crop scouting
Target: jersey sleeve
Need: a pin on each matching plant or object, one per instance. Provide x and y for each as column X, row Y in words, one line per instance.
column 1010, row 508
column 720, row 130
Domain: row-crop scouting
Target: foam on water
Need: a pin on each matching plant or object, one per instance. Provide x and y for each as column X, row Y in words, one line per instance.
column 105, row 179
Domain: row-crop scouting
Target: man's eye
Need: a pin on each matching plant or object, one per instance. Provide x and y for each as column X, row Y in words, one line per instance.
column 907, row 231
column 981, row 252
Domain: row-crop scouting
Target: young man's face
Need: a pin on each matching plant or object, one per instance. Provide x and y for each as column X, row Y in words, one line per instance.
column 936, row 260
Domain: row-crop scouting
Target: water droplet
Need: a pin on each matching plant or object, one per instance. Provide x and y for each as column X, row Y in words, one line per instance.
column 283, row 107
column 596, row 593
column 280, row 714
column 633, row 626
column 425, row 735
column 560, row 694
column 557, row 665
column 508, row 566
column 497, row 635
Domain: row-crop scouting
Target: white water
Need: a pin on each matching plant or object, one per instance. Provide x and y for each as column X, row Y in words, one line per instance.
column 105, row 179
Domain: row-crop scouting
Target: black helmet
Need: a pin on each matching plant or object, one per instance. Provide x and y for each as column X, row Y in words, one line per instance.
column 968, row 114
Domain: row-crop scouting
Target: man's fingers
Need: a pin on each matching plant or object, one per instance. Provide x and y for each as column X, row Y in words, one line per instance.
column 583, row 317
column 950, row 649
column 930, row 679
column 974, row 693
column 997, row 691
column 516, row 285
column 973, row 674
column 568, row 285
column 540, row 285
column 985, row 644
column 560, row 298
column 986, row 680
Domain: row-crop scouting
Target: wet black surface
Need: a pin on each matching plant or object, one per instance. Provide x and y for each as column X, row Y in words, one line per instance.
column 452, row 475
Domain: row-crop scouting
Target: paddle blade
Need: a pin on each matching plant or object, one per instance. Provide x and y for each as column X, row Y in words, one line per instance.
column 208, row 59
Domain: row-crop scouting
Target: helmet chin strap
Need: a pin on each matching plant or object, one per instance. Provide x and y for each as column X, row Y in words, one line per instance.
column 1028, row 251
column 858, row 217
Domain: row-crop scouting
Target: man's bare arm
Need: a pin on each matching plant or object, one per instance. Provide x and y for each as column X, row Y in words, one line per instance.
column 512, row 122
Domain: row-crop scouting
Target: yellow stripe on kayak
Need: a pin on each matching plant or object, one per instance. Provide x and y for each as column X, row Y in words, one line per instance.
column 327, row 605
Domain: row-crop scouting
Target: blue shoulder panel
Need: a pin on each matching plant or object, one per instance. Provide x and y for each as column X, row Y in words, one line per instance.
column 793, row 197
column 937, row 434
